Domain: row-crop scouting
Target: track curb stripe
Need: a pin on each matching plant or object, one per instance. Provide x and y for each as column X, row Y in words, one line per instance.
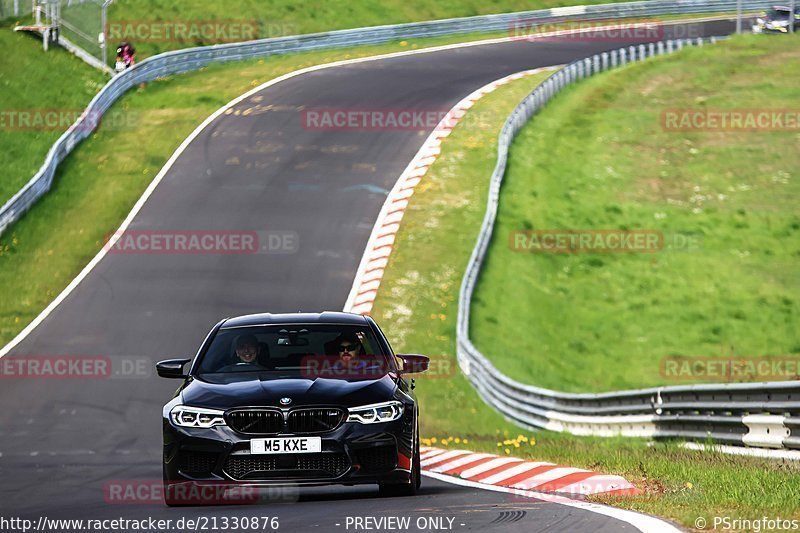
column 518, row 474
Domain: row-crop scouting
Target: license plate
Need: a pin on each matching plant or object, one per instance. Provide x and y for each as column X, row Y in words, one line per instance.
column 286, row 445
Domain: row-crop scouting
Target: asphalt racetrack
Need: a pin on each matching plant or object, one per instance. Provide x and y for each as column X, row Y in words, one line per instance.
column 258, row 168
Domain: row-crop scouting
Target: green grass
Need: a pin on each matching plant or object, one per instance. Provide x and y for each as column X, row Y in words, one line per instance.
column 417, row 305
column 597, row 158
column 32, row 81
column 274, row 18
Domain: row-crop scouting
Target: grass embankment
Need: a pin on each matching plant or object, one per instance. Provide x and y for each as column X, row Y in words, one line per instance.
column 417, row 303
column 598, row 158
column 36, row 83
column 277, row 18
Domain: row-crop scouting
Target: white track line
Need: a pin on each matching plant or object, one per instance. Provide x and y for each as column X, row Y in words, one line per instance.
column 153, row 184
column 642, row 522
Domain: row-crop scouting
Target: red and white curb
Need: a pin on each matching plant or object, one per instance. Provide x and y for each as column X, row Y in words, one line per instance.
column 544, row 482
column 489, row 469
column 379, row 247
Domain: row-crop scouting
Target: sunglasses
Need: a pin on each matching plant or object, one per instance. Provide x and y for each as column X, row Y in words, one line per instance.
column 348, row 348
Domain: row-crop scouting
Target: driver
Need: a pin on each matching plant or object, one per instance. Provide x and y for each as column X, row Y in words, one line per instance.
column 247, row 349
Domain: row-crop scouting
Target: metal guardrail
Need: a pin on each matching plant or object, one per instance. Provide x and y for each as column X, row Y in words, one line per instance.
column 180, row 61
column 753, row 414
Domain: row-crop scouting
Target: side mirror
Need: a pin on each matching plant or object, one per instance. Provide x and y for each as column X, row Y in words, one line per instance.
column 413, row 363
column 172, row 368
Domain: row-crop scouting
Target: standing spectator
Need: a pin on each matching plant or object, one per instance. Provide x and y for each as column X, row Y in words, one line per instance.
column 126, row 56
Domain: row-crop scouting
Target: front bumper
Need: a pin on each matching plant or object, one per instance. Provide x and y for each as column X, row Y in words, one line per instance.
column 353, row 453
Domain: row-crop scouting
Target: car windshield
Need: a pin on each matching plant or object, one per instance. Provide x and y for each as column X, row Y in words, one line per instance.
column 310, row 351
column 778, row 14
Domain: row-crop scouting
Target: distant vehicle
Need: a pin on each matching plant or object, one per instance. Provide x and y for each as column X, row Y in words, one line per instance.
column 776, row 20
column 294, row 399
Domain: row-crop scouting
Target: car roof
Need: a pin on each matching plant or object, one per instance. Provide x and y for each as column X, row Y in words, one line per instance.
column 327, row 317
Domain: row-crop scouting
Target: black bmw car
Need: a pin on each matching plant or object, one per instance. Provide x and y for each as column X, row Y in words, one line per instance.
column 293, row 399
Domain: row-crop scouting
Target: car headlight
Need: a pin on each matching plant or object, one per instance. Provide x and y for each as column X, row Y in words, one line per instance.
column 376, row 413
column 195, row 417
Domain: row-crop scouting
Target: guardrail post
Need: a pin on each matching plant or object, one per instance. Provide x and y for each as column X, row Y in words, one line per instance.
column 623, row 56
column 604, row 57
column 595, row 64
column 669, row 46
column 642, row 52
column 613, row 58
column 660, row 47
column 632, row 51
column 587, row 67
column 651, row 49
column 700, row 41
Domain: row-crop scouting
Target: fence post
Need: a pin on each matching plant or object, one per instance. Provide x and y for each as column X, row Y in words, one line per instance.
column 623, row 56
column 738, row 17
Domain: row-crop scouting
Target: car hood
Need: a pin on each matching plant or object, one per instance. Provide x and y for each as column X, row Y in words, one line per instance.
column 225, row 392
